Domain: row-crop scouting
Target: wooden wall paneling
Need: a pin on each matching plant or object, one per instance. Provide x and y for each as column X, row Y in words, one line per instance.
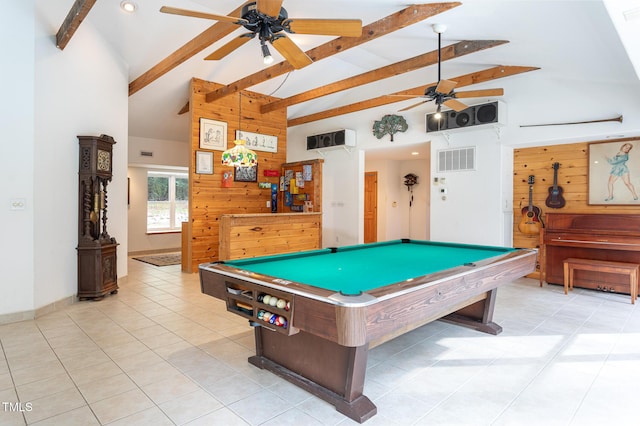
column 243, row 235
column 572, row 177
column 208, row 200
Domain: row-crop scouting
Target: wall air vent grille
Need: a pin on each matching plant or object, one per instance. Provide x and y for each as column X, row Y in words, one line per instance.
column 457, row 159
column 146, row 153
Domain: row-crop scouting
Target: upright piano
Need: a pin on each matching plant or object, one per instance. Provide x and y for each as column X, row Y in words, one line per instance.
column 613, row 237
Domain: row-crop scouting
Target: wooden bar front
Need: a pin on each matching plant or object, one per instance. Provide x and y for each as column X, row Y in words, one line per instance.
column 251, row 235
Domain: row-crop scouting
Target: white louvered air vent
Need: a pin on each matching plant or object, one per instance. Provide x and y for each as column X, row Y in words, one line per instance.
column 457, row 159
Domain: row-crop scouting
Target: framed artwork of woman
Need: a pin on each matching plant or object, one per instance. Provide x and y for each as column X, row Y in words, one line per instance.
column 614, row 173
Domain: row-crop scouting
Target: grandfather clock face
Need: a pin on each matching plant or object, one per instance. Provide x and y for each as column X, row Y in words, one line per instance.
column 104, row 161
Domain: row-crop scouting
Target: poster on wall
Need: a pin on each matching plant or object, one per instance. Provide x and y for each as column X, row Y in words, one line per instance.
column 257, row 141
column 213, row 134
column 614, row 173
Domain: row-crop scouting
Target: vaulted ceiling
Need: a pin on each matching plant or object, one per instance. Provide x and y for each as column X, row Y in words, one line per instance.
column 486, row 44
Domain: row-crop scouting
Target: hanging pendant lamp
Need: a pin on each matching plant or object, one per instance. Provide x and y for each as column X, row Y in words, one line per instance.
column 239, row 155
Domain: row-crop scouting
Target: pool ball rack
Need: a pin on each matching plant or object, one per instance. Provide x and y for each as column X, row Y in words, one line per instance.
column 262, row 306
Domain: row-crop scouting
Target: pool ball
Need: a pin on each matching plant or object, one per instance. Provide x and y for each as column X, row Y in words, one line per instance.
column 260, row 297
column 281, row 303
column 266, row 299
column 273, row 301
column 287, row 306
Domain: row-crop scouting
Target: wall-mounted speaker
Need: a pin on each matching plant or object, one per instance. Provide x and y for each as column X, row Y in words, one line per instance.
column 477, row 115
column 338, row 138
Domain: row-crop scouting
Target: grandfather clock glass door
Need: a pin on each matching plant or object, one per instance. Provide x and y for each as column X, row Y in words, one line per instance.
column 97, row 260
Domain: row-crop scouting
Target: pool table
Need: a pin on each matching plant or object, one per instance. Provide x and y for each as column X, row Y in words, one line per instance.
column 317, row 313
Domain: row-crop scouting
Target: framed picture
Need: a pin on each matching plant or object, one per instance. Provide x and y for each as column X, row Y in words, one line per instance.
column 246, row 174
column 204, row 162
column 614, row 173
column 213, row 134
column 258, row 142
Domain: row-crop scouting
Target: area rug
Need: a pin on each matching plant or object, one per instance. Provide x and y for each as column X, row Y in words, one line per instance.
column 164, row 259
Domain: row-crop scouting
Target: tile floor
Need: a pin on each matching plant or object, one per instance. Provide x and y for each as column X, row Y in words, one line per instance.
column 162, row 353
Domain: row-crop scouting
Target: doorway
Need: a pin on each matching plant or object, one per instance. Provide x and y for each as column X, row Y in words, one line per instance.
column 370, row 207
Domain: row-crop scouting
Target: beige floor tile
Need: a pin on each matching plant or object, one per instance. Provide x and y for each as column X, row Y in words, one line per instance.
column 45, row 387
column 55, row 404
column 83, row 360
column 33, row 359
column 82, row 416
column 126, row 350
column 152, row 373
column 220, row 417
column 95, row 372
column 160, row 340
column 98, row 390
column 150, row 417
column 39, row 372
column 169, row 389
column 190, row 406
column 120, row 406
column 6, row 382
column 138, row 360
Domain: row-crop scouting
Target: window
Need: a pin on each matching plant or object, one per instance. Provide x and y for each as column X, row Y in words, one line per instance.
column 167, row 201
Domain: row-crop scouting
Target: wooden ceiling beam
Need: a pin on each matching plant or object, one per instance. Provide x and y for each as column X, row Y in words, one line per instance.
column 188, row 50
column 464, row 80
column 449, row 52
column 405, row 17
column 76, row 15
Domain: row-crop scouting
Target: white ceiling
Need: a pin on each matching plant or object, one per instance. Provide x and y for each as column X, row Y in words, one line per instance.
column 572, row 40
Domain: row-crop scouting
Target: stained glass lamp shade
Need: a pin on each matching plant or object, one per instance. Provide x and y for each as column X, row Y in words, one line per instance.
column 239, row 155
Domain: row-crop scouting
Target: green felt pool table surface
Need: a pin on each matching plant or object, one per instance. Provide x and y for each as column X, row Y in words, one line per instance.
column 356, row 269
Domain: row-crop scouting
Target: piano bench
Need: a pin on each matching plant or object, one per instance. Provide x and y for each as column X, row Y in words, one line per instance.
column 632, row 270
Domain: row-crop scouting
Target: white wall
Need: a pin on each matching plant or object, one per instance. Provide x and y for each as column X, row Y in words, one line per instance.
column 55, row 96
column 343, row 177
column 479, row 205
column 17, row 117
column 167, row 156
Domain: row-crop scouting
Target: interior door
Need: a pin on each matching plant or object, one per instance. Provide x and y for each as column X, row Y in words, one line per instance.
column 370, row 207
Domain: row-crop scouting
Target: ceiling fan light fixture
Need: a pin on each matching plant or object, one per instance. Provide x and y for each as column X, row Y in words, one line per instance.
column 128, row 6
column 439, row 28
column 266, row 55
column 438, row 114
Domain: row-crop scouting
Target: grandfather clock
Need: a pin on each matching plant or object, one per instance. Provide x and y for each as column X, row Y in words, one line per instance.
column 97, row 261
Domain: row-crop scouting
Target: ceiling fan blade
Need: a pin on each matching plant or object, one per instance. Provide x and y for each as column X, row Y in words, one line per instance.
column 446, row 86
column 194, row 14
column 230, row 47
column 291, row 52
column 269, row 7
column 413, row 106
column 455, row 105
column 480, row 93
column 338, row 27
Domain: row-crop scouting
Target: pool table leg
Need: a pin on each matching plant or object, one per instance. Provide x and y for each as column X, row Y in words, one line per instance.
column 478, row 315
column 329, row 371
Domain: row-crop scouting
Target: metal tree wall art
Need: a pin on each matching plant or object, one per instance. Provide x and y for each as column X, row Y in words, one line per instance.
column 389, row 124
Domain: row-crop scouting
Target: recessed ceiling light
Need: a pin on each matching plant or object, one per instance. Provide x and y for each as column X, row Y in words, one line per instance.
column 128, row 6
column 415, row 153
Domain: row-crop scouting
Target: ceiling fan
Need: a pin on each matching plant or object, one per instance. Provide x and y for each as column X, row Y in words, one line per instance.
column 443, row 93
column 268, row 20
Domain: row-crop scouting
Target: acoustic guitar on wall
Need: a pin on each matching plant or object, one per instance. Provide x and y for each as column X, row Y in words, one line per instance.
column 531, row 223
column 555, row 200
